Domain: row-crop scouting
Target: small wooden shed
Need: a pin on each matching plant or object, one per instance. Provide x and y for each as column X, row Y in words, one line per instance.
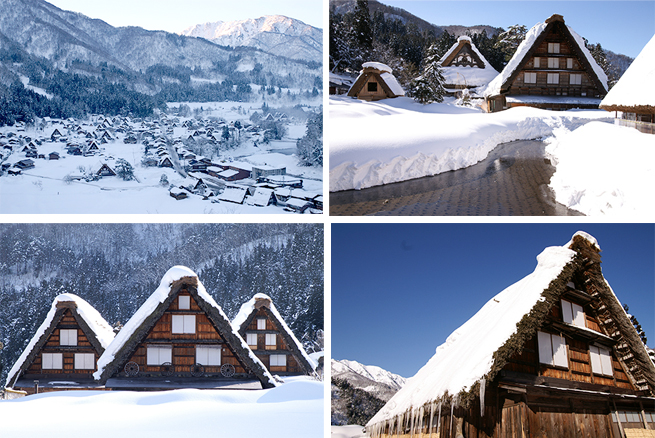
column 376, row 82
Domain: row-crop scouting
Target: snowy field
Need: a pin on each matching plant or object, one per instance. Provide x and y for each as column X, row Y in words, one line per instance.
column 350, row 431
column 375, row 143
column 293, row 409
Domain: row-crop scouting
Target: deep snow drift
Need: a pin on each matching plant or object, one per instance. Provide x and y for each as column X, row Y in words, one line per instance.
column 294, row 409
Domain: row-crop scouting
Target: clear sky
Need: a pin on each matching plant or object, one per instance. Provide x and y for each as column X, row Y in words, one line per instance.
column 620, row 26
column 177, row 15
column 399, row 290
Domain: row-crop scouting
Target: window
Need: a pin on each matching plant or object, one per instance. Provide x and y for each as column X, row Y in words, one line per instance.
column 553, row 62
column 271, row 340
column 261, row 324
column 573, row 314
column 184, row 323
column 68, row 337
column 569, row 63
column 553, row 78
column 52, row 361
column 159, row 354
column 601, row 361
column 553, row 47
column 552, row 350
column 537, row 62
column 184, row 302
column 251, row 338
column 372, row 87
column 84, row 361
column 278, row 360
column 575, row 79
column 530, row 78
column 208, row 355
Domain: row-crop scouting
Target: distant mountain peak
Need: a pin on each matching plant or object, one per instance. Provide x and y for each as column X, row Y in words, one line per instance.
column 370, row 372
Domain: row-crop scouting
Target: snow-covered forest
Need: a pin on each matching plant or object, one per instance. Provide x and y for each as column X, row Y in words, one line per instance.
column 115, row 267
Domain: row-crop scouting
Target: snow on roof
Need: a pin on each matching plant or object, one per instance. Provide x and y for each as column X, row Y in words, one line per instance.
column 378, row 65
column 260, row 197
column 103, row 331
column 637, row 85
column 473, row 47
column 233, row 194
column 393, row 84
column 494, row 86
column 469, row 76
column 248, row 307
column 478, row 338
column 228, row 173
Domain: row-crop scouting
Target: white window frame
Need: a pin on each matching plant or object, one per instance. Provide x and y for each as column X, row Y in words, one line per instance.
column 575, row 79
column 553, row 78
column 553, row 62
column 208, row 355
column 52, row 361
column 573, row 314
column 261, row 323
column 552, row 350
column 529, row 77
column 85, row 361
column 278, row 360
column 183, row 324
column 184, row 302
column 537, row 62
column 569, row 63
column 159, row 354
column 68, row 337
column 251, row 339
column 553, row 47
column 601, row 361
column 271, row 340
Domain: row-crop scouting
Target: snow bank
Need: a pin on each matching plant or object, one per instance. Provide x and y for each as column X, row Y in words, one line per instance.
column 604, row 169
column 375, row 143
column 291, row 410
column 476, row 340
column 350, row 431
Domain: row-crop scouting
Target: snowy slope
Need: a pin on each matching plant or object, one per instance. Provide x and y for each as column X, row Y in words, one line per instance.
column 277, row 34
column 372, row 372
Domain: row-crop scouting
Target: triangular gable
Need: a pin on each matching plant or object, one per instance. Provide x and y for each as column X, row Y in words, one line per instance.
column 97, row 331
column 135, row 331
column 464, row 47
column 260, row 305
column 381, row 74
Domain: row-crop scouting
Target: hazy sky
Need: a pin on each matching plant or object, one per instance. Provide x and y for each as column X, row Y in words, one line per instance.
column 620, row 26
column 399, row 290
column 177, row 15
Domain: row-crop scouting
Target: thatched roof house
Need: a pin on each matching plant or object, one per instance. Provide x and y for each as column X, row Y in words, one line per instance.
column 551, row 69
column 63, row 352
column 180, row 338
column 375, row 82
column 554, row 354
column 463, row 66
column 634, row 93
column 266, row 333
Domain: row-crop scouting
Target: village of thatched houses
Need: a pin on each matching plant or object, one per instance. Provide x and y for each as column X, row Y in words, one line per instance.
column 553, row 355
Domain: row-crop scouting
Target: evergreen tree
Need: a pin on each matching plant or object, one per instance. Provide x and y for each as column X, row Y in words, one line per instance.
column 428, row 87
column 362, row 31
column 310, row 147
column 510, row 40
column 124, row 169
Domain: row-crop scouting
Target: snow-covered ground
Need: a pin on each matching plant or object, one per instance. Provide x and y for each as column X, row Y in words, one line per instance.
column 604, row 169
column 350, row 431
column 375, row 143
column 294, row 409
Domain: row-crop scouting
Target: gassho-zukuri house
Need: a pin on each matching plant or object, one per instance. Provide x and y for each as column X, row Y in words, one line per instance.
column 551, row 69
column 376, row 82
column 463, row 66
column 553, row 355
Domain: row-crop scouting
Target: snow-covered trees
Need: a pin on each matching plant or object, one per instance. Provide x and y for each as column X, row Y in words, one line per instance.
column 428, row 87
column 124, row 169
column 510, row 40
column 310, row 147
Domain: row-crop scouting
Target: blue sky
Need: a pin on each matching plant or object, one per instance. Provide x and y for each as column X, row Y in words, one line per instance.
column 177, row 15
column 399, row 290
column 620, row 26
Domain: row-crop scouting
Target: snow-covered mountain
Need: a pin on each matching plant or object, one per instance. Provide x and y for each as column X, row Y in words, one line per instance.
column 346, row 368
column 276, row 34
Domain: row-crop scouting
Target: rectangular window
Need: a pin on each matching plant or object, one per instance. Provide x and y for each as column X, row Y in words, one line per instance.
column 553, row 78
column 184, row 302
column 553, row 47
column 208, row 355
column 84, row 361
column 372, row 87
column 601, row 360
column 184, row 324
column 537, row 62
column 569, row 63
column 530, row 78
column 251, row 338
column 261, row 323
column 52, row 361
column 68, row 337
column 159, row 354
column 271, row 340
column 573, row 314
column 575, row 79
column 278, row 360
column 552, row 350
column 553, row 62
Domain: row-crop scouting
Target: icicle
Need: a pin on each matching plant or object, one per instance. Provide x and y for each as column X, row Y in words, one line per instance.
column 431, row 416
column 439, row 421
column 452, row 412
column 421, row 413
column 483, row 383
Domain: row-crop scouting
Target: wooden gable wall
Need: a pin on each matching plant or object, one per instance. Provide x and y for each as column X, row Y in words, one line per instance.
column 464, row 56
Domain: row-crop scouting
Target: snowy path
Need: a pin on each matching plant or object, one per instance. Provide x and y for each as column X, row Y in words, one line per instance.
column 512, row 180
